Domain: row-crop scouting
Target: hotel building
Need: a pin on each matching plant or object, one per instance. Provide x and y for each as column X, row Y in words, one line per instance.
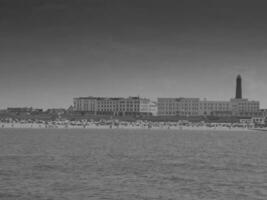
column 197, row 107
column 214, row 108
column 245, row 108
column 131, row 106
column 178, row 106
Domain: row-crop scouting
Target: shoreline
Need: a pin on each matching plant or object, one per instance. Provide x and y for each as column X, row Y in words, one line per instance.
column 121, row 127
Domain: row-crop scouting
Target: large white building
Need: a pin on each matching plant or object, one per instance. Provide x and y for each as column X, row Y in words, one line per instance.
column 178, row 106
column 215, row 108
column 197, row 107
column 87, row 104
column 115, row 106
column 245, row 108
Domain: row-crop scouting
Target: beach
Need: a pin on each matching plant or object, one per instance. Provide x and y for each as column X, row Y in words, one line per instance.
column 156, row 126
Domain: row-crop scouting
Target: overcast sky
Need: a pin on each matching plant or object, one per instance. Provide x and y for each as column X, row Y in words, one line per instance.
column 54, row 50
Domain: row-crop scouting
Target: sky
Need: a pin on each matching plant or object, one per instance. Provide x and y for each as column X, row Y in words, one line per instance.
column 54, row 50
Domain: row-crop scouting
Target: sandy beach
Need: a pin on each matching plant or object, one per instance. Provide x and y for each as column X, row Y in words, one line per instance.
column 137, row 127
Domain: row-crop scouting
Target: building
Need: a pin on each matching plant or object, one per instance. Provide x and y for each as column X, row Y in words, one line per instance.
column 153, row 108
column 254, row 121
column 259, row 120
column 197, row 107
column 148, row 107
column 178, row 106
column 237, row 107
column 28, row 110
column 192, row 107
column 245, row 108
column 263, row 112
column 214, row 108
column 19, row 110
column 119, row 106
column 238, row 93
column 131, row 106
column 168, row 106
column 86, row 104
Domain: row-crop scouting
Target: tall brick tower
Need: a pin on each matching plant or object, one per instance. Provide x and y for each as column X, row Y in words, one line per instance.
column 238, row 93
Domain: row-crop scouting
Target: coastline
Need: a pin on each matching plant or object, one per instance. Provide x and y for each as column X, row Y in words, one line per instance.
column 126, row 127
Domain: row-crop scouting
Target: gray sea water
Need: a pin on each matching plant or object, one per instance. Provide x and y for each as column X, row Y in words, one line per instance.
column 132, row 164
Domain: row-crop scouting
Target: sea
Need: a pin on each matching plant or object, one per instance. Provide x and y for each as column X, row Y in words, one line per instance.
column 117, row 164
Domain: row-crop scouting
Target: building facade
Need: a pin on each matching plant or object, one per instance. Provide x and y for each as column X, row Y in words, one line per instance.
column 114, row 106
column 214, row 108
column 86, row 104
column 238, row 106
column 245, row 108
column 263, row 113
column 178, row 106
column 118, row 106
column 197, row 107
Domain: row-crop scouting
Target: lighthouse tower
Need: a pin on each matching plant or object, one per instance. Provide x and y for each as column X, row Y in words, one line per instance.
column 238, row 93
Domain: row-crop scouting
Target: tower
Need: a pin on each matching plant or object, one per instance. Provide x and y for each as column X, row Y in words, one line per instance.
column 238, row 93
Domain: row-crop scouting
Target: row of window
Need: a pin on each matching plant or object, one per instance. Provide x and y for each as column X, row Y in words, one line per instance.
column 118, row 110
